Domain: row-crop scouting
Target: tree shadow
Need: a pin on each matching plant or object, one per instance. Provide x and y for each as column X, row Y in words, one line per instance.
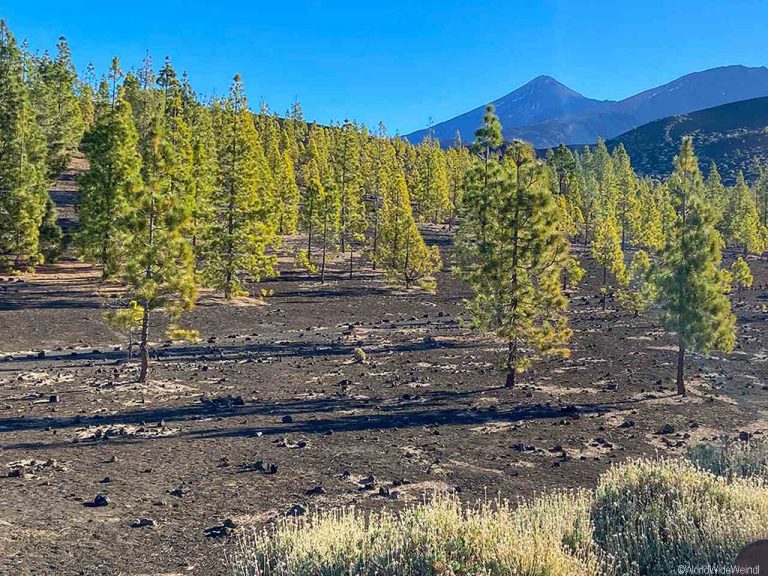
column 212, row 353
column 308, row 416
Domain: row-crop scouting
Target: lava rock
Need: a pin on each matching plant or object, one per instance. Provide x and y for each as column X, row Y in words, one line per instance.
column 144, row 523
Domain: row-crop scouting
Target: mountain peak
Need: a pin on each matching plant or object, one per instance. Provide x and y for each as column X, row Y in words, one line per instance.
column 544, row 79
column 537, row 100
column 546, row 85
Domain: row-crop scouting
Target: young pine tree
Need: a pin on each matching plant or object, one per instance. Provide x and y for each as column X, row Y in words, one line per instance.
column 628, row 204
column 564, row 169
column 281, row 165
column 638, row 294
column 314, row 175
column 402, row 251
column 741, row 276
column 346, row 160
column 513, row 255
column 457, row 162
column 431, row 199
column 607, row 252
column 484, row 179
column 205, row 175
column 244, row 227
column 377, row 153
column 688, row 277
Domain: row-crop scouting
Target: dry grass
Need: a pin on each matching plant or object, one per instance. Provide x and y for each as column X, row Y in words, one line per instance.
column 644, row 518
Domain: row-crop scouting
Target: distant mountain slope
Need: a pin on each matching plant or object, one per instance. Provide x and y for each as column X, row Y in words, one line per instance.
column 608, row 119
column 731, row 135
column 540, row 99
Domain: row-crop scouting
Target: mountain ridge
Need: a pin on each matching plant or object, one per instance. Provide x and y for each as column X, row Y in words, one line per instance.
column 733, row 136
column 589, row 119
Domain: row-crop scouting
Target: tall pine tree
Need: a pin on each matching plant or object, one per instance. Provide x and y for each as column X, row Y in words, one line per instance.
column 23, row 192
column 244, row 227
column 513, row 255
column 688, row 276
column 114, row 175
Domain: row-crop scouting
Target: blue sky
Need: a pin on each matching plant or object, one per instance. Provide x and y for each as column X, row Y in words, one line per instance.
column 399, row 61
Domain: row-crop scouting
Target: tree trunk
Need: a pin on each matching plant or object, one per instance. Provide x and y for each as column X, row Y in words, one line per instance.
column 309, row 226
column 511, row 375
column 144, row 348
column 351, row 258
column 325, row 243
column 680, row 368
column 605, row 286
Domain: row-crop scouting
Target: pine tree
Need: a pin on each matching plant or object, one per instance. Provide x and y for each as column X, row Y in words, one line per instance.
column 457, row 162
column 431, row 199
column 638, row 294
column 205, row 174
column 59, row 112
column 402, row 251
column 761, row 193
column 741, row 276
column 244, row 228
column 159, row 267
column 483, row 180
column 86, row 98
column 282, row 168
column 628, row 203
column 114, row 175
column 741, row 222
column 23, row 194
column 588, row 185
column 607, row 252
column 687, row 275
column 51, row 241
column 314, row 175
column 650, row 231
column 513, row 255
column 566, row 186
column 346, row 159
column 378, row 162
column 716, row 195
column 328, row 222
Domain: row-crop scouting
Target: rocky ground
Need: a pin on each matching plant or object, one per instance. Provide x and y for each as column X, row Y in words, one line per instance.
column 271, row 413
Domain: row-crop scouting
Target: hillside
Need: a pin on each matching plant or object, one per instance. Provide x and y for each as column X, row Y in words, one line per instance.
column 732, row 136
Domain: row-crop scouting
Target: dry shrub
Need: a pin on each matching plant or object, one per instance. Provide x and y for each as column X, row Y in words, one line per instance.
column 731, row 458
column 439, row 537
column 653, row 516
column 645, row 518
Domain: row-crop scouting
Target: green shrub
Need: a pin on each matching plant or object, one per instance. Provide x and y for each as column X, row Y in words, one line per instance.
column 551, row 536
column 731, row 458
column 654, row 516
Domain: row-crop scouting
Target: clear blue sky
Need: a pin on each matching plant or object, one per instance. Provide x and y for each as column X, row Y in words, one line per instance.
column 404, row 61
